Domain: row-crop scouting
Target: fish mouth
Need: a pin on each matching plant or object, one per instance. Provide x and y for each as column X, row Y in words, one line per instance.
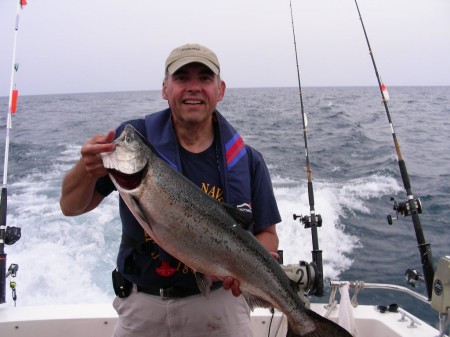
column 128, row 181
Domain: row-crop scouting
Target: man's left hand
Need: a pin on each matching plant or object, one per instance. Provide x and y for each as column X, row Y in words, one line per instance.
column 232, row 284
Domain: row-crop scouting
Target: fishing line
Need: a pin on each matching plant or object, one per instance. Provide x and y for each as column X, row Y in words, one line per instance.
column 314, row 220
column 413, row 205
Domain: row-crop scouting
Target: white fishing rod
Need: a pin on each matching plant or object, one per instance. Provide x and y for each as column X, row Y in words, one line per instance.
column 9, row 235
column 13, row 94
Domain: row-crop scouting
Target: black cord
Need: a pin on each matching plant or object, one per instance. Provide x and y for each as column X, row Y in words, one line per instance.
column 272, row 310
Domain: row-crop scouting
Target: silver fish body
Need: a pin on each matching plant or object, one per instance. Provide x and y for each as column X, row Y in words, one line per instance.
column 205, row 234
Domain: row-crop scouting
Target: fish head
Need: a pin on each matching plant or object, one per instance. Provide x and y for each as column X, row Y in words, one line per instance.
column 128, row 163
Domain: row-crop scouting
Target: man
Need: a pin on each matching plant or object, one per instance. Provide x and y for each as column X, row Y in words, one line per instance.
column 157, row 294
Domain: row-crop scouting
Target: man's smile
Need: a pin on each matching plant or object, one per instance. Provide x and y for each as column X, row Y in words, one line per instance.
column 192, row 102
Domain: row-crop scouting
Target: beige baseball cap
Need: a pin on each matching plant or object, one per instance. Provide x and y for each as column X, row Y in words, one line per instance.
column 190, row 53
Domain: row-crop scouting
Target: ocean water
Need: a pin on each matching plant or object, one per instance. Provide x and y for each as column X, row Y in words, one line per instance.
column 354, row 166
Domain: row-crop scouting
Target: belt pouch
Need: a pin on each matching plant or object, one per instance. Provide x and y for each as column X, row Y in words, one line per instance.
column 122, row 287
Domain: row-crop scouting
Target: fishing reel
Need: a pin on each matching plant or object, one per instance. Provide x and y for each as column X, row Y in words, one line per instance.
column 404, row 209
column 302, row 277
column 12, row 270
column 413, row 277
column 12, row 235
column 309, row 221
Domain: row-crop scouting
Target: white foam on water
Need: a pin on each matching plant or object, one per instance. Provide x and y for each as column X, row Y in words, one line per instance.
column 59, row 256
column 331, row 201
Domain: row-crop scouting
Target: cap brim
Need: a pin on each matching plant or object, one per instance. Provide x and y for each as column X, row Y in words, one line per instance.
column 174, row 66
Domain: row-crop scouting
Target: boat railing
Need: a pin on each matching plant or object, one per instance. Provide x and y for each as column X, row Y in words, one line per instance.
column 358, row 285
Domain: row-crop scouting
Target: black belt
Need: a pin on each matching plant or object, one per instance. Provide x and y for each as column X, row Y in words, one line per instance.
column 174, row 292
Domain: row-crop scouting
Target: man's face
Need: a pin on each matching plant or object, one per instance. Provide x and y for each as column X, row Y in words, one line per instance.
column 193, row 92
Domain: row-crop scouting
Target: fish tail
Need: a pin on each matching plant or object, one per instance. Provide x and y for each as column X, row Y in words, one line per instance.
column 323, row 328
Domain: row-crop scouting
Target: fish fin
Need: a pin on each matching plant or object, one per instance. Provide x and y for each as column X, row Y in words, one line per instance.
column 204, row 283
column 138, row 209
column 256, row 302
column 134, row 207
column 241, row 216
column 323, row 328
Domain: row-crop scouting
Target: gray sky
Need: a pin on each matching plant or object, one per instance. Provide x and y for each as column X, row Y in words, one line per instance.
column 73, row 46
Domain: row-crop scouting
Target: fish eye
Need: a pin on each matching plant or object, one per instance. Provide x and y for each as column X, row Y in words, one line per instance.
column 128, row 139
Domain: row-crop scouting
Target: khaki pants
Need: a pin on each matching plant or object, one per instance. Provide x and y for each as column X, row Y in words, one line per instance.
column 221, row 314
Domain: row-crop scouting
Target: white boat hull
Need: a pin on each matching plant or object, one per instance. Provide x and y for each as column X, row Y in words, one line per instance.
column 98, row 320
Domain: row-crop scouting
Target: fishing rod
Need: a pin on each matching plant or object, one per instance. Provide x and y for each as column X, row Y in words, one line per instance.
column 314, row 220
column 9, row 235
column 413, row 205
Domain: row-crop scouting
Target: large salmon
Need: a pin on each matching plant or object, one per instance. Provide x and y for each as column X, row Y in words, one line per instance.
column 205, row 234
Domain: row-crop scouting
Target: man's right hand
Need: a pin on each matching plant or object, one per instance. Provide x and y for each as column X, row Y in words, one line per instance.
column 91, row 150
column 78, row 193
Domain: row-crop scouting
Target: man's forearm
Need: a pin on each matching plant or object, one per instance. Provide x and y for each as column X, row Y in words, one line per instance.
column 268, row 238
column 77, row 191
